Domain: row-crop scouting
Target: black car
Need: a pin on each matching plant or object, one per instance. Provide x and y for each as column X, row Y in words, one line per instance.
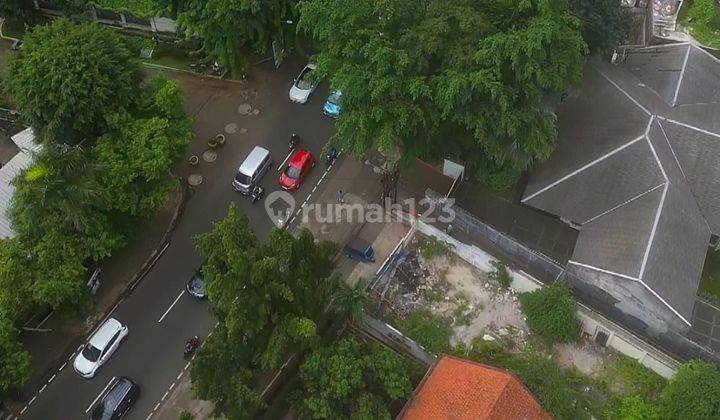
column 196, row 285
column 117, row 401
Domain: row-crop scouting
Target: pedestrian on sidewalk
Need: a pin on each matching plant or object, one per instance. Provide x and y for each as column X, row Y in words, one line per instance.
column 341, row 196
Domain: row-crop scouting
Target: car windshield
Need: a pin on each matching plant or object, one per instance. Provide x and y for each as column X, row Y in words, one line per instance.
column 304, row 82
column 197, row 284
column 292, row 172
column 334, row 98
column 91, row 353
column 242, row 178
column 102, row 412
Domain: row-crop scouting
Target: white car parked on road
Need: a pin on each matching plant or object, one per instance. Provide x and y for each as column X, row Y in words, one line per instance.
column 304, row 85
column 99, row 347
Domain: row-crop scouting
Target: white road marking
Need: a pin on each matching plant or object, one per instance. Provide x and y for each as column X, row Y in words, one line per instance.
column 171, row 306
column 23, row 410
column 285, row 160
column 148, row 417
column 164, row 396
column 187, row 366
column 52, row 378
column 177, row 378
column 156, row 406
column 100, row 394
column 62, row 367
column 171, row 386
column 32, row 400
column 42, row 389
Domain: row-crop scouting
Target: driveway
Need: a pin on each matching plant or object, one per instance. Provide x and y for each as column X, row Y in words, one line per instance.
column 159, row 314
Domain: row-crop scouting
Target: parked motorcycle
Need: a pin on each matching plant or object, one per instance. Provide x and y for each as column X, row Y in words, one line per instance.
column 294, row 141
column 191, row 345
column 330, row 156
column 256, row 194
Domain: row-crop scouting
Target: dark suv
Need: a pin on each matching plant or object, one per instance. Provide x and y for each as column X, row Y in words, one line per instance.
column 117, row 401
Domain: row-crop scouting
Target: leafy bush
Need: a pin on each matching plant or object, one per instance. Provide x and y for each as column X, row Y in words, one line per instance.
column 185, row 415
column 431, row 331
column 501, row 274
column 550, row 313
column 542, row 376
column 693, row 393
column 633, row 408
column 704, row 18
column 433, row 247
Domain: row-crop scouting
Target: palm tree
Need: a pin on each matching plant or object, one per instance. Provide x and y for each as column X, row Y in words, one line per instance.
column 350, row 301
column 59, row 186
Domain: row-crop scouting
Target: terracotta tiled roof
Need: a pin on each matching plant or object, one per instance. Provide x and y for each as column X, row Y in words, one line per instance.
column 461, row 389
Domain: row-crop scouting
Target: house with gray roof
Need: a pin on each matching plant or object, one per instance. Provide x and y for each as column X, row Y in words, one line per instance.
column 637, row 172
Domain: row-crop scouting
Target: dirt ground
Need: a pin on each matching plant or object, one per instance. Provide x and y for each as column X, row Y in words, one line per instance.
column 477, row 306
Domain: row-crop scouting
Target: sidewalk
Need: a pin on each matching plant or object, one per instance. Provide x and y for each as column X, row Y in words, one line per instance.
column 50, row 349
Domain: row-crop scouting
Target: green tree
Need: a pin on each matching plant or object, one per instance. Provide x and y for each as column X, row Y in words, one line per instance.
column 228, row 26
column 14, row 360
column 458, row 77
column 431, row 331
column 69, row 78
column 550, row 313
column 16, row 280
column 605, row 24
column 135, row 156
column 267, row 298
column 352, row 380
column 693, row 393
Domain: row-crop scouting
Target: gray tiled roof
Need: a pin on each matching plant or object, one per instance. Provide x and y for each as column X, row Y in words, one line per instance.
column 637, row 167
column 25, row 141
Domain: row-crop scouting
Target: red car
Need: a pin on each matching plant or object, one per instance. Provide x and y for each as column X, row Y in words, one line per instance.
column 299, row 166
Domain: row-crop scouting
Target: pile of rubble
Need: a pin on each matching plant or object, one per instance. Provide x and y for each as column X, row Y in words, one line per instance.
column 415, row 284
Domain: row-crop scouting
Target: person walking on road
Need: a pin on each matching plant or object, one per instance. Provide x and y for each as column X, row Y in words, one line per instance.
column 341, row 196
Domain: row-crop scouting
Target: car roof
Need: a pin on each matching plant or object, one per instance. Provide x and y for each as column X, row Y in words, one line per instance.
column 312, row 66
column 252, row 161
column 299, row 157
column 105, row 333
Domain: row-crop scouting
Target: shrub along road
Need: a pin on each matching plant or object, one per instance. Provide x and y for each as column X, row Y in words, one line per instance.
column 159, row 314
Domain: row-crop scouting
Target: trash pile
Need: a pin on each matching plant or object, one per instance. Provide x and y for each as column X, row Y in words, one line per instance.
column 414, row 285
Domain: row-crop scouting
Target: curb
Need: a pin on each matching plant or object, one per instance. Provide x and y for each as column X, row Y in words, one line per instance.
column 149, row 263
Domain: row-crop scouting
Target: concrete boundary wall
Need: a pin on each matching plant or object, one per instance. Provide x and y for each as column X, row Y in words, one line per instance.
column 593, row 324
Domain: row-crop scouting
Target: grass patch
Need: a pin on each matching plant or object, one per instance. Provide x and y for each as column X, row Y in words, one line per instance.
column 624, row 377
column 170, row 55
column 461, row 315
column 433, row 247
column 702, row 17
column 431, row 331
column 710, row 282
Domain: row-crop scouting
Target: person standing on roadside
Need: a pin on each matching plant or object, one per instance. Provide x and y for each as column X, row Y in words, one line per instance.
column 341, row 196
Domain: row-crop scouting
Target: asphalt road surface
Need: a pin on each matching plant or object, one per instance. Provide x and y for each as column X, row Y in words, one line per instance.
column 159, row 314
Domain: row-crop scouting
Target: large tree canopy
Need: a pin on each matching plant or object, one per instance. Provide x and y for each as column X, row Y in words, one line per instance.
column 68, row 79
column 267, row 298
column 228, row 26
column 693, row 393
column 447, row 76
column 352, row 380
column 14, row 361
column 605, row 23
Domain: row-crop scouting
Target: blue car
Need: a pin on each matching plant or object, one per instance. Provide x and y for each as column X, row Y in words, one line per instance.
column 332, row 105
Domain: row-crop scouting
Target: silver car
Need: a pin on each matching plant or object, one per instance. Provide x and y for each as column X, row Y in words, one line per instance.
column 99, row 347
column 304, row 85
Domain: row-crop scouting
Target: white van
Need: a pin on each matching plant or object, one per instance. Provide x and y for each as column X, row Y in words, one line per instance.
column 252, row 170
